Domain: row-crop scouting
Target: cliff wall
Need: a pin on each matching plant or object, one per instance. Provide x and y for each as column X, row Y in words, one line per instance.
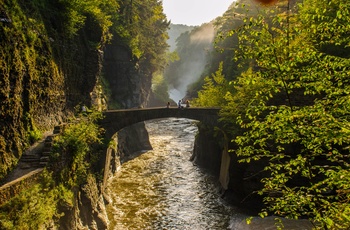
column 128, row 82
column 55, row 56
column 243, row 178
column 47, row 73
column 207, row 149
column 44, row 74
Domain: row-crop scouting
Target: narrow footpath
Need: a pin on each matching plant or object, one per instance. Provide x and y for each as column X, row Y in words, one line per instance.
column 29, row 167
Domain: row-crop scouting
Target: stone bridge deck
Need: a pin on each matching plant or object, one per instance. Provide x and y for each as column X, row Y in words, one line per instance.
column 115, row 120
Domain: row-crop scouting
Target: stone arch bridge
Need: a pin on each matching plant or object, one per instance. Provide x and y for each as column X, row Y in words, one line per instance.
column 115, row 120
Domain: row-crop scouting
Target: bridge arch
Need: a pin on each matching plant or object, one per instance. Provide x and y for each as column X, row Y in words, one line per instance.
column 115, row 120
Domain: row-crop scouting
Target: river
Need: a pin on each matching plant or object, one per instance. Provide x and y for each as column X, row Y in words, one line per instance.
column 162, row 189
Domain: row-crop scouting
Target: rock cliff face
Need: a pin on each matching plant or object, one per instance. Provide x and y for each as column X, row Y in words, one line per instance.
column 243, row 178
column 46, row 74
column 207, row 150
column 130, row 86
column 43, row 76
column 132, row 140
column 89, row 211
column 129, row 143
column 128, row 90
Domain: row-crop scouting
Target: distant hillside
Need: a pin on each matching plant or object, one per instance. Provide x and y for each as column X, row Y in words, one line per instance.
column 174, row 32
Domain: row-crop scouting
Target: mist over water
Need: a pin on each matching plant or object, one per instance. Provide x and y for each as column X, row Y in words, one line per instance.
column 206, row 34
column 192, row 60
column 191, row 72
column 176, row 94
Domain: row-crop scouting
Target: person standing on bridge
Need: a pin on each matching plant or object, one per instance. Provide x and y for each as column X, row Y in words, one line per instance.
column 168, row 105
column 179, row 104
column 187, row 104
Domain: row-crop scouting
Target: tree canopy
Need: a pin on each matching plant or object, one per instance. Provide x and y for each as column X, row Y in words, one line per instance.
column 290, row 107
column 142, row 26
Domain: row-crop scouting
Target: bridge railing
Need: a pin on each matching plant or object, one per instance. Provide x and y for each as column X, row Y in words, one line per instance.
column 115, row 120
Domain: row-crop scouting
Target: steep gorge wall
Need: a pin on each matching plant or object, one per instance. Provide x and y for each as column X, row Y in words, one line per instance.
column 243, row 178
column 129, row 143
column 44, row 74
column 207, row 149
column 129, row 84
column 47, row 73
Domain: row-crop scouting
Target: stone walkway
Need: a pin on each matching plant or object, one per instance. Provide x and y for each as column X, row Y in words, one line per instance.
column 30, row 161
column 29, row 167
column 36, row 157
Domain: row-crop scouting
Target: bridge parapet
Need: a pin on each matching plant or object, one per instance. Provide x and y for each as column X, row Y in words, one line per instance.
column 115, row 120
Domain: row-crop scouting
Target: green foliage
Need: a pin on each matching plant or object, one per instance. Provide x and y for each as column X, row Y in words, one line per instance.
column 142, row 26
column 73, row 154
column 291, row 109
column 327, row 23
column 75, row 18
column 172, row 57
column 248, row 91
column 160, row 88
column 33, row 133
column 35, row 208
column 214, row 90
column 77, row 11
column 75, row 146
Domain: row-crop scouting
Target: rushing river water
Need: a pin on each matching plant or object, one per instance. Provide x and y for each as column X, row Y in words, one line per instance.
column 162, row 189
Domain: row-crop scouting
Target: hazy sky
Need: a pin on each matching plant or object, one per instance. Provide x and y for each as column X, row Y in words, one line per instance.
column 194, row 12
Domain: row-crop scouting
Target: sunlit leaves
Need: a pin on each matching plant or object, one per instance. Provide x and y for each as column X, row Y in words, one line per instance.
column 214, row 90
column 142, row 26
column 78, row 10
column 328, row 22
column 75, row 146
column 292, row 109
column 35, row 207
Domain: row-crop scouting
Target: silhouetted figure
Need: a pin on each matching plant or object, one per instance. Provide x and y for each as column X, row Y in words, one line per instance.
column 83, row 110
column 187, row 104
column 168, row 105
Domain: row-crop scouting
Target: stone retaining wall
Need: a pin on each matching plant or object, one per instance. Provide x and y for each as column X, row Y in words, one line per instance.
column 13, row 188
